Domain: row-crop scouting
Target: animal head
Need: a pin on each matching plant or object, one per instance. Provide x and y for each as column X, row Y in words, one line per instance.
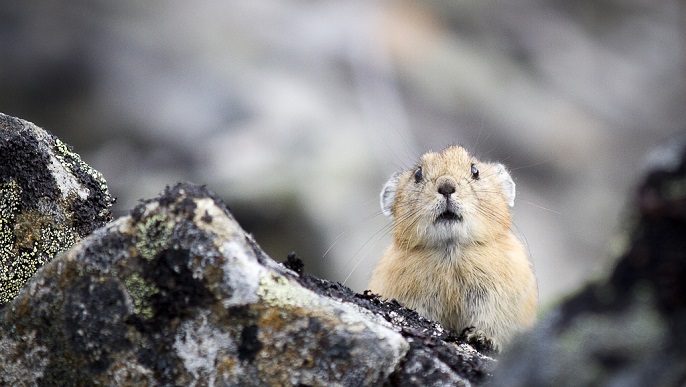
column 449, row 197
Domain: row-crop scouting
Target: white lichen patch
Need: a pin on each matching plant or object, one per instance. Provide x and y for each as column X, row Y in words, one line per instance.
column 22, row 362
column 62, row 152
column 150, row 208
column 242, row 274
column 198, row 343
column 66, row 181
column 62, row 163
column 221, row 224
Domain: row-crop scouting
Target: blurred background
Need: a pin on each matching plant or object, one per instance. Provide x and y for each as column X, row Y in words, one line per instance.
column 296, row 112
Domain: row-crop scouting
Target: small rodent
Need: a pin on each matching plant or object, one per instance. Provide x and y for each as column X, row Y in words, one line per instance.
column 454, row 258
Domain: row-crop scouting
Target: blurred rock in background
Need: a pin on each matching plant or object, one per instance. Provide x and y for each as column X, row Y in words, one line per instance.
column 297, row 112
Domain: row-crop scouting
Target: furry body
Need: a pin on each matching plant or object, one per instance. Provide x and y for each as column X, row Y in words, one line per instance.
column 454, row 258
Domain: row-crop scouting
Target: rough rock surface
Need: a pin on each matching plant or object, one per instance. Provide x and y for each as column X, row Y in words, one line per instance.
column 49, row 199
column 628, row 329
column 177, row 293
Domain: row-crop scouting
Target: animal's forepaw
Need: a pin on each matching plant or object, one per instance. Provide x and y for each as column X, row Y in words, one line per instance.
column 478, row 339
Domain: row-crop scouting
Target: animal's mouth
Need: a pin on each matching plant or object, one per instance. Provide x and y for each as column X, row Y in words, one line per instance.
column 448, row 216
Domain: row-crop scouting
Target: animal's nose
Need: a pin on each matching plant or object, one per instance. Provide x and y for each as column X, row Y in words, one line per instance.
column 446, row 189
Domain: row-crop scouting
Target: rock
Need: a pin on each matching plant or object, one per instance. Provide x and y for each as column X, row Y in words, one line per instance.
column 627, row 329
column 49, row 200
column 177, row 293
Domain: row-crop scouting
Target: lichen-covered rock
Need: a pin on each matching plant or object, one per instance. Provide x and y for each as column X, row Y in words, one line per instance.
column 628, row 329
column 177, row 294
column 49, row 199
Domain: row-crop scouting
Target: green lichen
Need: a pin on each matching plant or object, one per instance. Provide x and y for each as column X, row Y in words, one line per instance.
column 73, row 164
column 28, row 240
column 10, row 278
column 69, row 160
column 276, row 291
column 154, row 235
column 56, row 240
column 9, row 199
column 140, row 291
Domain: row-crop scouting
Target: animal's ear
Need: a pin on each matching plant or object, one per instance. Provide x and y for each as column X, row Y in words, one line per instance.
column 507, row 183
column 388, row 194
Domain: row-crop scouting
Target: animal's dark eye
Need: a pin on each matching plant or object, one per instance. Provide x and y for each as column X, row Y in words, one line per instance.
column 418, row 175
column 475, row 172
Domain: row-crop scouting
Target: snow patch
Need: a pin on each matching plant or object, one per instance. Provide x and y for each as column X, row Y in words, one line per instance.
column 197, row 344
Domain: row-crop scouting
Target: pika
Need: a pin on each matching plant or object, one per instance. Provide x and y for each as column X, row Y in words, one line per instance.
column 454, row 258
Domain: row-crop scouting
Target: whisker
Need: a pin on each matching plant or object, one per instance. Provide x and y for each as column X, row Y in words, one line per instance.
column 528, row 166
column 360, row 249
column 541, row 207
column 334, row 243
column 360, row 221
column 360, row 260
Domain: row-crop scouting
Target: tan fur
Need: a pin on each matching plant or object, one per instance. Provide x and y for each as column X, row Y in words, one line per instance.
column 473, row 272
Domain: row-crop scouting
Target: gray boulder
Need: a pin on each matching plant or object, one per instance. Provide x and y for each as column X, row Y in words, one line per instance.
column 49, row 200
column 627, row 329
column 177, row 293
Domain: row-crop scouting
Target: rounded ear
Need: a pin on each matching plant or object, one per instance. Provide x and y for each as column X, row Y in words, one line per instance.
column 507, row 183
column 387, row 195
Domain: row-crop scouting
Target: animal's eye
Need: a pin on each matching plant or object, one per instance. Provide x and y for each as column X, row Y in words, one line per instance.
column 418, row 175
column 475, row 172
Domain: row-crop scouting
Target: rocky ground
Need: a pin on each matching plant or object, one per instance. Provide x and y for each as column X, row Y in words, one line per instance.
column 176, row 293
